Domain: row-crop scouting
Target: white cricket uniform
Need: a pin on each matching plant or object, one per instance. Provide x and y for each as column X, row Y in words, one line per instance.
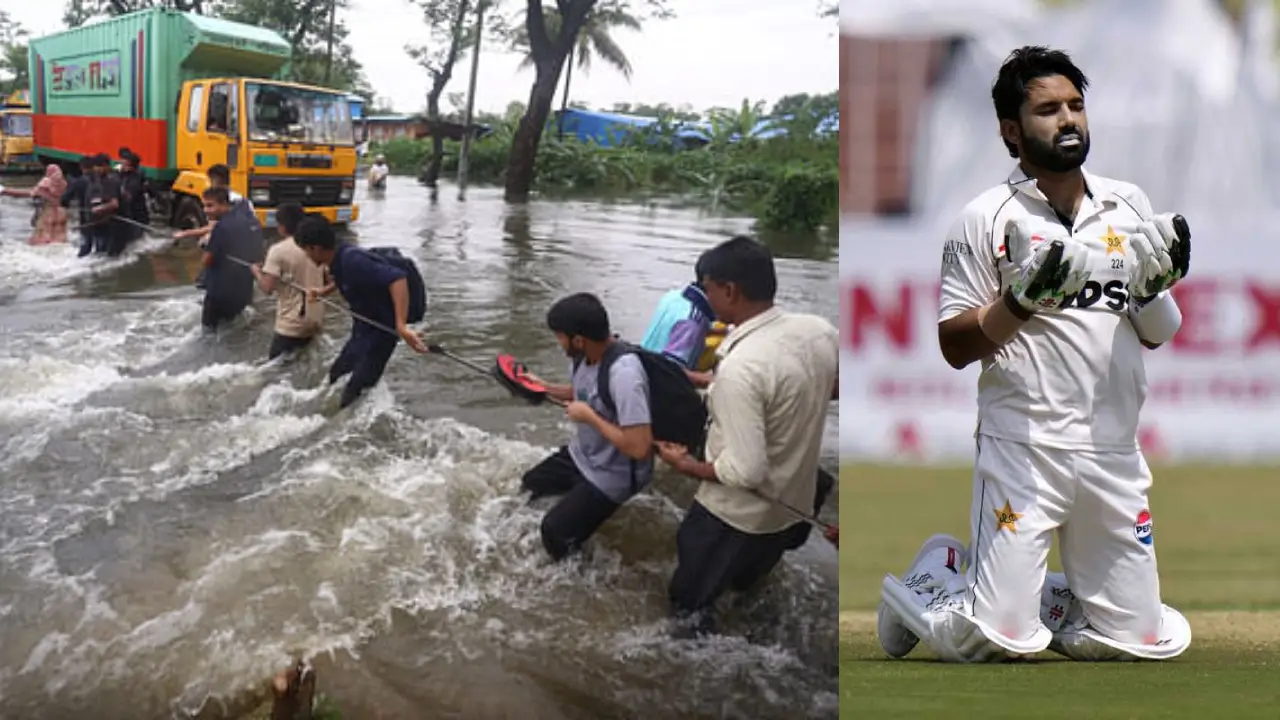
column 1057, row 424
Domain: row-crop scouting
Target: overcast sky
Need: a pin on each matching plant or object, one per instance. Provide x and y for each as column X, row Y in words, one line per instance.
column 715, row 53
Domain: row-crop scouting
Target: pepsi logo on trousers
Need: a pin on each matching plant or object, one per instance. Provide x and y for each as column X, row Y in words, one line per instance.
column 1142, row 528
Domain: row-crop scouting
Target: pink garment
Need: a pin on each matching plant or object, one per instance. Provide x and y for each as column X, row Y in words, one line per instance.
column 51, row 227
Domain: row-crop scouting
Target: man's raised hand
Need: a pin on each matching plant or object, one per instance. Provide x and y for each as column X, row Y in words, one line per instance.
column 1163, row 249
column 1048, row 274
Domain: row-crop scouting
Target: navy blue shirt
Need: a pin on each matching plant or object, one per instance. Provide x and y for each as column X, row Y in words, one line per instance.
column 365, row 282
column 238, row 235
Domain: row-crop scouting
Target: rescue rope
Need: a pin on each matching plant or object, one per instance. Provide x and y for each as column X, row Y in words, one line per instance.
column 438, row 350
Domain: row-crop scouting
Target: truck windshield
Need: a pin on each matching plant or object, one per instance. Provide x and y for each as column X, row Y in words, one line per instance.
column 283, row 113
column 17, row 125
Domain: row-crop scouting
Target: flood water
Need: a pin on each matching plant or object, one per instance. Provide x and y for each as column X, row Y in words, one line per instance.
column 178, row 517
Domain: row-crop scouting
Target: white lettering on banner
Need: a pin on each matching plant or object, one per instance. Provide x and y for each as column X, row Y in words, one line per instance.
column 1213, row 391
column 1219, row 317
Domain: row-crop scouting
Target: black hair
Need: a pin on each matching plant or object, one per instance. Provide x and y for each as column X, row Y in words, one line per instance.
column 743, row 262
column 580, row 314
column 315, row 231
column 1023, row 66
column 699, row 268
column 220, row 172
column 217, row 194
column 102, row 160
column 87, row 162
column 289, row 216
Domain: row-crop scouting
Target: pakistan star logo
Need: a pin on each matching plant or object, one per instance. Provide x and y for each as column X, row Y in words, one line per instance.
column 1115, row 243
column 1007, row 518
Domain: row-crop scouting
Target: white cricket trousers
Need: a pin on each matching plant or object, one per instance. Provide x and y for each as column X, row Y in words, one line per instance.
column 1097, row 503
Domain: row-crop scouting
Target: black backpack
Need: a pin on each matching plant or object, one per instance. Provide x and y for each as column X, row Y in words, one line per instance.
column 677, row 412
column 417, row 288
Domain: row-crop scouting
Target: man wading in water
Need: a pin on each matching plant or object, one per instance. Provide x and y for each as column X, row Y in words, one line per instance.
column 768, row 405
column 609, row 458
column 297, row 320
column 374, row 289
column 219, row 176
column 228, row 284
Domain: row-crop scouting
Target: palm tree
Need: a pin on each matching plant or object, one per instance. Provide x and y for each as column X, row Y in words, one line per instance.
column 744, row 122
column 595, row 40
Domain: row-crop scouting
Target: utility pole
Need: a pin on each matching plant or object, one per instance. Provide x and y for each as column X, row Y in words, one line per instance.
column 328, row 64
column 471, row 101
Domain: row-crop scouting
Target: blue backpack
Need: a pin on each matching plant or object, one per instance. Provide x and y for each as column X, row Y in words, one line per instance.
column 417, row 288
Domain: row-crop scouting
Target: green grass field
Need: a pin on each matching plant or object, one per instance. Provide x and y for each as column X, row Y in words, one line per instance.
column 1219, row 554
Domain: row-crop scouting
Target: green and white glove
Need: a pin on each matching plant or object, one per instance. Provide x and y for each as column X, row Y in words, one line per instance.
column 1163, row 249
column 1049, row 274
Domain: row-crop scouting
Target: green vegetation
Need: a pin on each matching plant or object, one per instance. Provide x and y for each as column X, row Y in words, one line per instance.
column 13, row 55
column 1215, row 567
column 788, row 183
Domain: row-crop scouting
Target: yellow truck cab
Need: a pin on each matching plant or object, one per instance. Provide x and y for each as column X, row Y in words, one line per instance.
column 16, row 146
column 186, row 92
column 295, row 143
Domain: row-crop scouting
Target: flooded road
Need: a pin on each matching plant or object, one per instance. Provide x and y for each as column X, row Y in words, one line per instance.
column 177, row 517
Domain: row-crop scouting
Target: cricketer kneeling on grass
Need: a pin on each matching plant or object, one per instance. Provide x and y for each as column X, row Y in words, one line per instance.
column 1055, row 280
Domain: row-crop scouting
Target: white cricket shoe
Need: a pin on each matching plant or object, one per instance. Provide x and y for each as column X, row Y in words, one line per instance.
column 940, row 559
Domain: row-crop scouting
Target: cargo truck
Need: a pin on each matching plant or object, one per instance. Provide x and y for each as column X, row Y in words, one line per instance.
column 186, row 92
column 16, row 155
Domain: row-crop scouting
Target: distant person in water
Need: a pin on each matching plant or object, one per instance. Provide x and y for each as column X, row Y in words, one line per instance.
column 133, row 198
column 77, row 191
column 378, row 173
column 50, row 222
column 104, row 204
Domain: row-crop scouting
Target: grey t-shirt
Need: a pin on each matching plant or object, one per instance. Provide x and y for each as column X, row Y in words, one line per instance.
column 597, row 459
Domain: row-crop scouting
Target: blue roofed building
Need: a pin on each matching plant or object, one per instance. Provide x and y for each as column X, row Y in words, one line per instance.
column 608, row 129
column 602, row 128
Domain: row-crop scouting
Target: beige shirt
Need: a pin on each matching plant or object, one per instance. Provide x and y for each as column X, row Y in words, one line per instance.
column 290, row 263
column 768, row 405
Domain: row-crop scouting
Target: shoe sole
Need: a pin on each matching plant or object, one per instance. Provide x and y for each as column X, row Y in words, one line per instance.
column 886, row 616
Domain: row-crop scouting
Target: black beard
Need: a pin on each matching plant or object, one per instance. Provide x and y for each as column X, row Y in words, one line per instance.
column 1048, row 156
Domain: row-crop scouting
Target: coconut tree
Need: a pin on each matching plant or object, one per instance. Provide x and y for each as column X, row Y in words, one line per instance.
column 594, row 41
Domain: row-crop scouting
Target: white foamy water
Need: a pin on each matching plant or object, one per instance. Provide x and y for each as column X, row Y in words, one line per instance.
column 178, row 518
column 23, row 265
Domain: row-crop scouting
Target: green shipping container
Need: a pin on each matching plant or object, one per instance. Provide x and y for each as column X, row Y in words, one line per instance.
column 116, row 83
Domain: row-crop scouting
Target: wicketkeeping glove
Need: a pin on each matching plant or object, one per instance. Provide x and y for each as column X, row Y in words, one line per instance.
column 1163, row 249
column 1050, row 274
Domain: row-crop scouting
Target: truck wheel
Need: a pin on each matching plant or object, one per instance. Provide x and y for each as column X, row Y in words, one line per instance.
column 158, row 206
column 188, row 215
